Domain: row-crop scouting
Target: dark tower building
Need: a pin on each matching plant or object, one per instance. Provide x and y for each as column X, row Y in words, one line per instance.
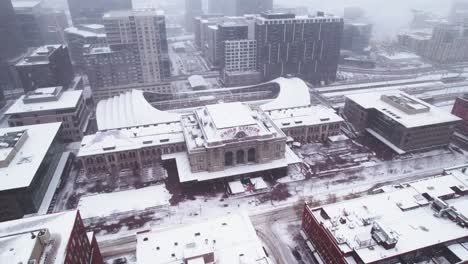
column 307, row 47
column 244, row 7
column 11, row 44
column 91, row 11
column 239, row 7
column 356, row 36
column 47, row 66
column 193, row 8
column 229, row 31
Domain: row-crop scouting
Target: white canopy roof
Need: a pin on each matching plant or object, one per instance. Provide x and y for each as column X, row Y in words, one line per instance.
column 130, row 109
column 293, row 93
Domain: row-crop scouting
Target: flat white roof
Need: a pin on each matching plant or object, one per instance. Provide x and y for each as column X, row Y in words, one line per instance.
column 130, row 109
column 197, row 81
column 135, row 12
column 59, row 225
column 232, row 239
column 304, row 116
column 226, row 115
column 431, row 117
column 404, row 212
column 67, row 100
column 26, row 162
column 130, row 139
column 399, row 56
column 106, row 204
column 26, row 3
column 84, row 33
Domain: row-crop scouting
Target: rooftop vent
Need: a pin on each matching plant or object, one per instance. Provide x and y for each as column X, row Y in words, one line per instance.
column 383, row 236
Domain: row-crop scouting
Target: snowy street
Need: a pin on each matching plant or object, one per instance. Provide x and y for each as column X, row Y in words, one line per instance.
column 270, row 218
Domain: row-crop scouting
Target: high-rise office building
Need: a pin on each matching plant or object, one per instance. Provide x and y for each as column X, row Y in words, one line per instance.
column 244, row 7
column 199, row 26
column 356, row 36
column 230, row 30
column 91, row 11
column 11, row 45
column 193, row 8
column 46, row 66
column 144, row 32
column 39, row 25
column 80, row 35
column 459, row 12
column 239, row 7
column 109, row 67
column 305, row 46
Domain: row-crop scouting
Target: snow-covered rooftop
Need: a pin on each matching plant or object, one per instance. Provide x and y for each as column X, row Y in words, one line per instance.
column 229, row 239
column 405, row 109
column 230, row 115
column 39, row 56
column 294, row 92
column 130, row 109
column 197, row 81
column 215, row 124
column 399, row 56
column 130, row 139
column 135, row 13
column 18, row 248
column 304, row 116
column 26, row 4
column 86, row 33
column 404, row 214
column 44, row 99
column 106, row 204
column 22, row 168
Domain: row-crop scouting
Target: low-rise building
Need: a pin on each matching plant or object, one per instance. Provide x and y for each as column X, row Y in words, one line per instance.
column 132, row 148
column 400, row 121
column 53, row 238
column 460, row 109
column 231, row 139
column 424, row 221
column 230, row 239
column 307, row 124
column 30, row 155
column 399, row 59
column 49, row 105
column 197, row 82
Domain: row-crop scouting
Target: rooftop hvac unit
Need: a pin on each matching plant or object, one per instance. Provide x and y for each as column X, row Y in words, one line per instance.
column 383, row 236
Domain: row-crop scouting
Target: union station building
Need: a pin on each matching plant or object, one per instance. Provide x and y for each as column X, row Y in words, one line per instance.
column 224, row 139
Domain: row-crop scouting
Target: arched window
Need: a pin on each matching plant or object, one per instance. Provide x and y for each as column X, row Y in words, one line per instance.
column 240, row 157
column 228, row 158
column 251, row 155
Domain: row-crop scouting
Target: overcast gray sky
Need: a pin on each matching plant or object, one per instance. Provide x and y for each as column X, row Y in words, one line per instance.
column 389, row 16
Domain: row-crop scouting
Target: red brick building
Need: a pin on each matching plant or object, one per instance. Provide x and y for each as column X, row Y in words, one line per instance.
column 419, row 222
column 57, row 238
column 460, row 109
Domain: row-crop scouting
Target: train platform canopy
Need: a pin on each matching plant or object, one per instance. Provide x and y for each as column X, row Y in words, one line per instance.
column 294, row 92
column 130, row 109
